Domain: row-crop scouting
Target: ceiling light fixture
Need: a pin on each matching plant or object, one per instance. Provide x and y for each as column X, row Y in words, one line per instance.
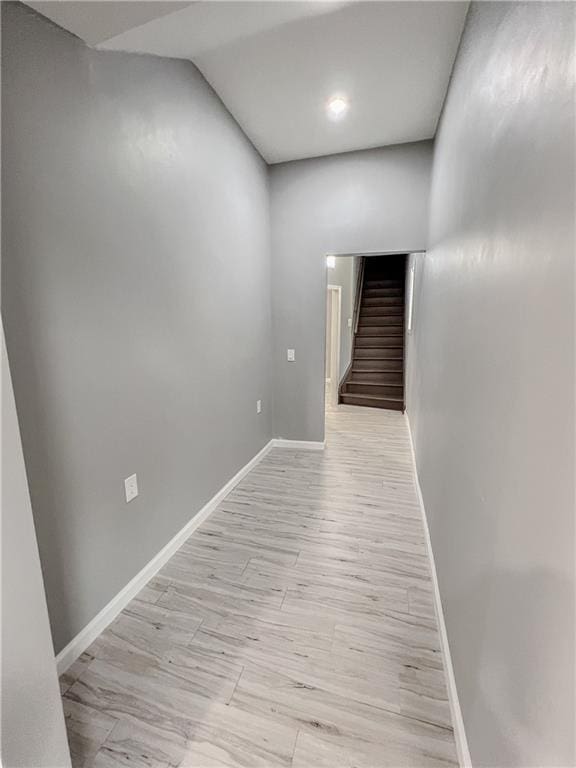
column 337, row 107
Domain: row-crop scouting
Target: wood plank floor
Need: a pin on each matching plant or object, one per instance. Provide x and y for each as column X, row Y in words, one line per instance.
column 295, row 627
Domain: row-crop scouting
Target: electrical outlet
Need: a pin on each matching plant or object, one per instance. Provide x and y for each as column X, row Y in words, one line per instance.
column 291, row 355
column 258, row 406
column 131, row 487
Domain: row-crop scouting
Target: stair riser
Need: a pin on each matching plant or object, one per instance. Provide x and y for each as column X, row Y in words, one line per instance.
column 377, row 390
column 382, row 301
column 394, row 283
column 373, row 347
column 380, row 342
column 363, row 354
column 377, row 377
column 391, row 405
column 382, row 293
column 380, row 366
column 380, row 320
column 380, row 332
column 396, row 310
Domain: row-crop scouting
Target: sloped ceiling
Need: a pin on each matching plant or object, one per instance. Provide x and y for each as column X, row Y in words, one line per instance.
column 276, row 64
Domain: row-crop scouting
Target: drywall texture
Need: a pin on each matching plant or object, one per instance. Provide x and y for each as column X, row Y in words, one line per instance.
column 136, row 301
column 371, row 201
column 493, row 406
column 32, row 729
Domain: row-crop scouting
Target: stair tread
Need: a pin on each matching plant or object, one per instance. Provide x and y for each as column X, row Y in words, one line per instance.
column 377, row 310
column 391, row 291
column 391, row 333
column 372, row 397
column 376, row 383
column 396, row 403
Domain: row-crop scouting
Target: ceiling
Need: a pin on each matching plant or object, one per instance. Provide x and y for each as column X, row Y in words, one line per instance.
column 276, row 64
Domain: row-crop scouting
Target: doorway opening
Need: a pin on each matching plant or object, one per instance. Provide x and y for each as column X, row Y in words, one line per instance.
column 367, row 298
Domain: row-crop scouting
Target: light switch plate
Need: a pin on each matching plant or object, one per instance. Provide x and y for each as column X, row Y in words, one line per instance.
column 258, row 406
column 291, row 355
column 131, row 487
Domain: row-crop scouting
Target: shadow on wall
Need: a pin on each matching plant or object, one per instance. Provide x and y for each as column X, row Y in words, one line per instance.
column 493, row 675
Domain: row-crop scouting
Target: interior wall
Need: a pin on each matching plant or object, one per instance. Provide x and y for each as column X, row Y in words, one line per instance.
column 136, row 301
column 412, row 367
column 374, row 200
column 344, row 275
column 32, row 731
column 492, row 409
column 328, row 366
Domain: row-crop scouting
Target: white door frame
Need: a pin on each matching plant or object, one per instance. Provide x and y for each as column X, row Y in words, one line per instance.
column 334, row 294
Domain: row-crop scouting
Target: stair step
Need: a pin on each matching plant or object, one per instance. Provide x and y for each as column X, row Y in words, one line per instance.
column 378, row 390
column 379, row 310
column 379, row 330
column 382, row 301
column 376, row 377
column 378, row 353
column 384, row 282
column 362, row 365
column 391, row 403
column 379, row 342
column 380, row 320
column 371, row 293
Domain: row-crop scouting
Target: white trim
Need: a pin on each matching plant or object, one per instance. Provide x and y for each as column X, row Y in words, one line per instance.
column 308, row 445
column 462, row 750
column 378, row 253
column 86, row 636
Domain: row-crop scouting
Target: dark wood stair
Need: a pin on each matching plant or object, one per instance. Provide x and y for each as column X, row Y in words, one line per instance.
column 375, row 377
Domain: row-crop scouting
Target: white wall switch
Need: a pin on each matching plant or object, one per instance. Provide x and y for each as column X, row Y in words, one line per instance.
column 291, row 355
column 349, row 322
column 258, row 406
column 131, row 487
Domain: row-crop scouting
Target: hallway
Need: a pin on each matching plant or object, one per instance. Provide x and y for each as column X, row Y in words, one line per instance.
column 295, row 627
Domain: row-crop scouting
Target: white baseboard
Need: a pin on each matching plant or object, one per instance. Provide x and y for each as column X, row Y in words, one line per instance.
column 462, row 750
column 85, row 637
column 308, row 445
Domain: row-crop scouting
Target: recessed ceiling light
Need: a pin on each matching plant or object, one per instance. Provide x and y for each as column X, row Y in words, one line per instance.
column 337, row 107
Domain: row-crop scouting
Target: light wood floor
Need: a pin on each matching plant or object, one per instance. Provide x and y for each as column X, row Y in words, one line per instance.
column 294, row 628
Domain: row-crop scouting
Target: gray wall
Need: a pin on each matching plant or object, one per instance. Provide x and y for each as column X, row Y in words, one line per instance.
column 32, row 730
column 412, row 368
column 493, row 404
column 375, row 200
column 344, row 275
column 136, row 301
